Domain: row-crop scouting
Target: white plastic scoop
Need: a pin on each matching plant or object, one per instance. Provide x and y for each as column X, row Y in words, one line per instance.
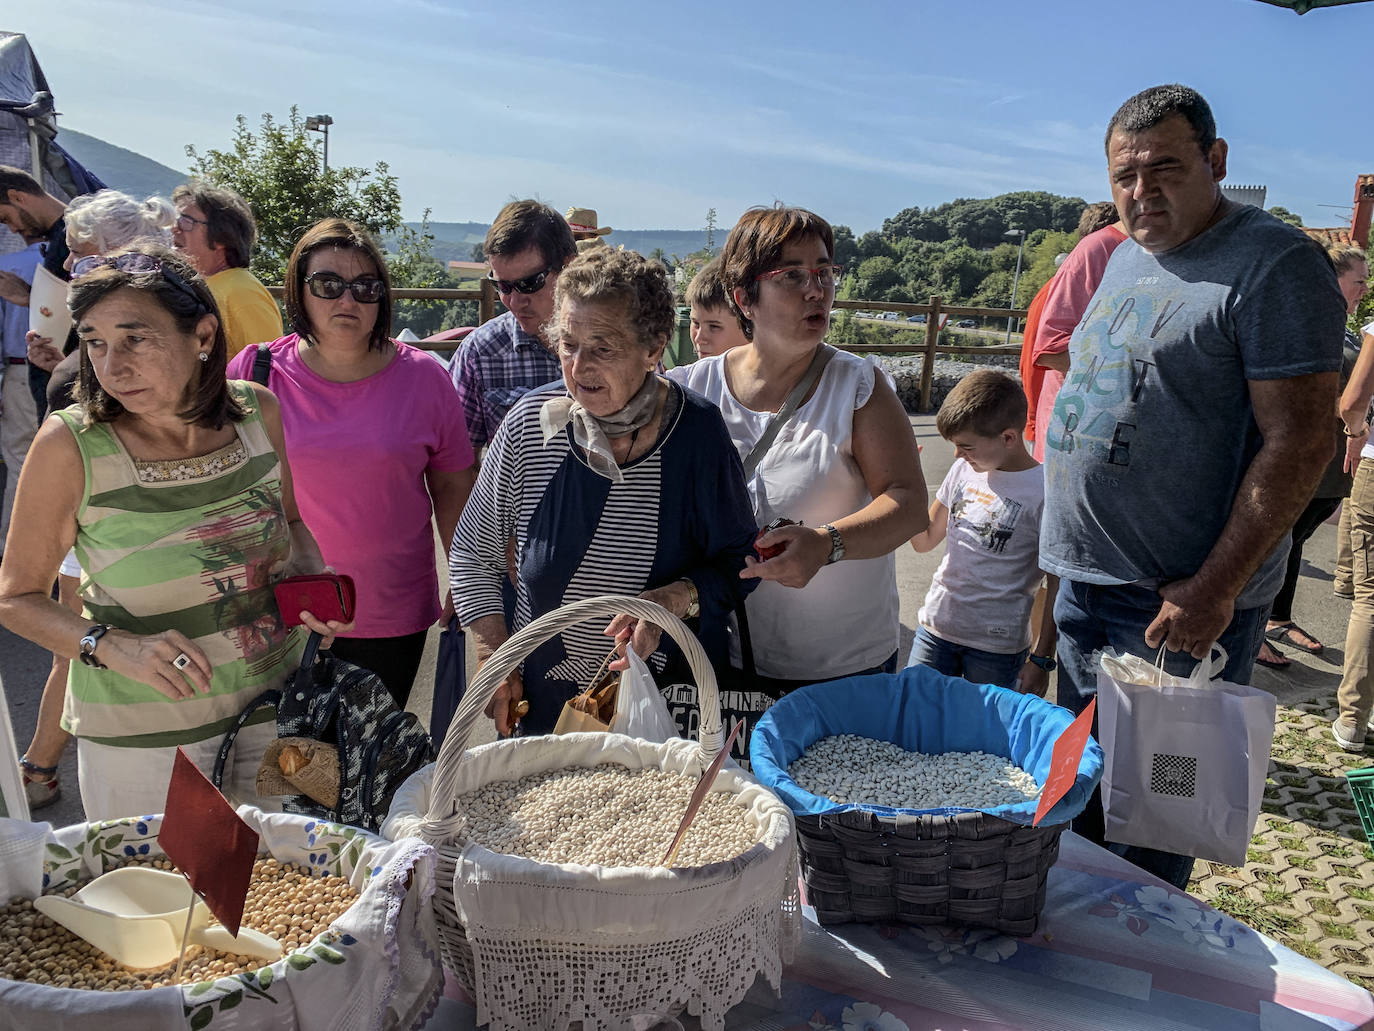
column 137, row 914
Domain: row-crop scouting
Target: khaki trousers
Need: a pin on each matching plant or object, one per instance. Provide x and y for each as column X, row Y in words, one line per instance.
column 1341, row 577
column 1356, row 693
column 18, row 424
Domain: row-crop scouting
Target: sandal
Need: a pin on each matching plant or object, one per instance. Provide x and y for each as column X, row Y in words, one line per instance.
column 1289, row 633
column 41, row 786
column 1278, row 661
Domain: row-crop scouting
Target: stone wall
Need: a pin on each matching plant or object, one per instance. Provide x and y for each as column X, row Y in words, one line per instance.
column 906, row 371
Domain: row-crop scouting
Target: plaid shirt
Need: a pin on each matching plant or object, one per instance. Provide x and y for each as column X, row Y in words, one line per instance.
column 496, row 366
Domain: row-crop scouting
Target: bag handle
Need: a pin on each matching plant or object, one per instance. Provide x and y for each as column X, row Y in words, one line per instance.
column 262, row 364
column 269, row 697
column 443, row 817
column 819, row 361
column 1204, row 672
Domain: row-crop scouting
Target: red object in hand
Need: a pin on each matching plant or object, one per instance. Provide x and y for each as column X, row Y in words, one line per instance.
column 207, row 841
column 765, row 552
column 326, row 596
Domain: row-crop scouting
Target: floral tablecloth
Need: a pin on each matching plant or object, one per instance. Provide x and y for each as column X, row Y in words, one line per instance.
column 1115, row 949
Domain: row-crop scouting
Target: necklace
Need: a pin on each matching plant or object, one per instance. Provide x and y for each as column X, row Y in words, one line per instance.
column 634, row 436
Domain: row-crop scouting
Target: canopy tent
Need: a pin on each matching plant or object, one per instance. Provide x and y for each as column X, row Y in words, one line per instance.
column 28, row 130
column 1303, row 6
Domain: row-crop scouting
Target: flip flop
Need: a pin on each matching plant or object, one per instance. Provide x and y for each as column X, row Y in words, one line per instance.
column 1285, row 632
column 1283, row 661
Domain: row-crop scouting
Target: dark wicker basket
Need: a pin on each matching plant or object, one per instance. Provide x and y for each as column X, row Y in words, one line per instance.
column 966, row 868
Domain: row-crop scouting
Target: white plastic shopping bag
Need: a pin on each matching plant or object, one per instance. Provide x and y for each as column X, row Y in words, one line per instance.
column 1186, row 759
column 640, row 710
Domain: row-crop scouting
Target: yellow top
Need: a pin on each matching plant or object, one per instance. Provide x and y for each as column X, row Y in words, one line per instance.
column 249, row 313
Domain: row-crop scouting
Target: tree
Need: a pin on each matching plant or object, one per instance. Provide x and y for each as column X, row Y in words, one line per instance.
column 846, row 248
column 1283, row 214
column 413, row 264
column 711, row 229
column 277, row 171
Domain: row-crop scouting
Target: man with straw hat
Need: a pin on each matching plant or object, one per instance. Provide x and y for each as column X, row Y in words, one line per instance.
column 582, row 222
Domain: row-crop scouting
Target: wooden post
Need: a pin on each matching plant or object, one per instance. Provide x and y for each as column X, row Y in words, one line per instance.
column 928, row 366
column 486, row 307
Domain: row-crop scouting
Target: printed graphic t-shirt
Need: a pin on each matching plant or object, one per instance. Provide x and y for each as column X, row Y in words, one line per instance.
column 982, row 592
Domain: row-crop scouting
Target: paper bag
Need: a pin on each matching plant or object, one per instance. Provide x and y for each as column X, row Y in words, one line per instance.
column 1186, row 759
column 592, row 710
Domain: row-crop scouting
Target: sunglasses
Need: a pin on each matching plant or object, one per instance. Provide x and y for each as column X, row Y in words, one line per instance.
column 186, row 223
column 329, row 286
column 529, row 285
column 135, row 263
column 798, row 278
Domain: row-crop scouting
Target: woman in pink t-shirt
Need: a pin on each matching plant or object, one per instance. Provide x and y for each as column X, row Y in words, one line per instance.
column 376, row 441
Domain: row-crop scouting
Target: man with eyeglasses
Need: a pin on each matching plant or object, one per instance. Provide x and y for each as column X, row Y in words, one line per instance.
column 501, row 361
column 216, row 231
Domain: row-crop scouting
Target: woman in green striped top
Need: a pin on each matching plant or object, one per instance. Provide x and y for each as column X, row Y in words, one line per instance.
column 172, row 485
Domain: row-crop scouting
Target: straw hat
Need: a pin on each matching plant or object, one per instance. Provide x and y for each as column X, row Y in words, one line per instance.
column 583, row 220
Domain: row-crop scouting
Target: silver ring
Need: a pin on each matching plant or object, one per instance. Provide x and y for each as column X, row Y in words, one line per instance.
column 182, row 660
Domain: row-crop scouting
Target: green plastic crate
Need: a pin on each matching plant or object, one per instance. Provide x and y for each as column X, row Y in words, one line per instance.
column 1361, row 784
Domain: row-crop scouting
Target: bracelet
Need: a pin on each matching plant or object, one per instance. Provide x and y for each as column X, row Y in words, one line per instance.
column 1362, row 431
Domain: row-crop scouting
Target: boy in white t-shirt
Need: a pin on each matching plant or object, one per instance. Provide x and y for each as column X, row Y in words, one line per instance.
column 975, row 622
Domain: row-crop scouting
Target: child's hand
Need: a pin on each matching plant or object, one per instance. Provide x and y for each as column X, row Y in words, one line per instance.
column 1032, row 680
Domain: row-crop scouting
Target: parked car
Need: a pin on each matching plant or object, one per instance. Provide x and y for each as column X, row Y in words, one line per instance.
column 889, row 316
column 966, row 323
column 916, row 318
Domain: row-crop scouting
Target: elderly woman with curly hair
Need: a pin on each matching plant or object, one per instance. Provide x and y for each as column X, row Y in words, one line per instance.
column 621, row 483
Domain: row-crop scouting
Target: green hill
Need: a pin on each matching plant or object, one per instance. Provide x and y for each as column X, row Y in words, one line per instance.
column 453, row 241
column 119, row 168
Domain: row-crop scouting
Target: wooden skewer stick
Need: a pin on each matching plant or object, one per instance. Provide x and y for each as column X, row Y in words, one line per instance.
column 699, row 795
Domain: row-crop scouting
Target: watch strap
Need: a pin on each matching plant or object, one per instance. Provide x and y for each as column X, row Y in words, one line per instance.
column 86, row 649
column 1045, row 662
column 836, row 544
column 694, row 599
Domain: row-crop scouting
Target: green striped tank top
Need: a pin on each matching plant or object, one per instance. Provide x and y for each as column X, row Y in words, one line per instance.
column 189, row 545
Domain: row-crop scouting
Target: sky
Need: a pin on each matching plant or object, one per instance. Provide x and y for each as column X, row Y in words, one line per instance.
column 653, row 113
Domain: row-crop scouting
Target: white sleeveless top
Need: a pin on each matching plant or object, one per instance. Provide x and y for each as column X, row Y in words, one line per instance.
column 845, row 619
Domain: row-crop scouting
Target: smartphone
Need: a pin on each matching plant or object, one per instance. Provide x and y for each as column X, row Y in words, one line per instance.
column 765, row 553
column 326, row 596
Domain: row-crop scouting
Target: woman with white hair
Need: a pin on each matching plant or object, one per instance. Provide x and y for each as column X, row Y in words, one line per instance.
column 97, row 223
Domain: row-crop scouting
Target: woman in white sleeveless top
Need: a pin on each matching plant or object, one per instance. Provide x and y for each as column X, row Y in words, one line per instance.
column 845, row 465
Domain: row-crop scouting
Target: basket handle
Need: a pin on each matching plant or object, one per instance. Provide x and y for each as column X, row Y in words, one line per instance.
column 442, row 794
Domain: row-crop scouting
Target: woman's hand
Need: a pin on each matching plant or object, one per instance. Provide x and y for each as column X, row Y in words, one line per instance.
column 41, row 351
column 804, row 551
column 512, row 689
column 150, row 660
column 1354, row 444
column 642, row 634
column 327, row 630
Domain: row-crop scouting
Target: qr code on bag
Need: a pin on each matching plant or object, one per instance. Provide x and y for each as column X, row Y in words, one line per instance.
column 1174, row 775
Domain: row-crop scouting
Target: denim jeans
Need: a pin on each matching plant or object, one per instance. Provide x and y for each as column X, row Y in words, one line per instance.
column 1091, row 618
column 958, row 660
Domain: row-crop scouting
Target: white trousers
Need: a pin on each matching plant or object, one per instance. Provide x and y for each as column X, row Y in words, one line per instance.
column 18, row 424
column 117, row 781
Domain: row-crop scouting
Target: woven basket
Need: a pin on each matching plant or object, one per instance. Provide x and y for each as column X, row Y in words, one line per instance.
column 948, row 866
column 547, row 944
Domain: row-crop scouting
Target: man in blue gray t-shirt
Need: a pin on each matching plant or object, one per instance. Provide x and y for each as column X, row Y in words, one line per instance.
column 1194, row 421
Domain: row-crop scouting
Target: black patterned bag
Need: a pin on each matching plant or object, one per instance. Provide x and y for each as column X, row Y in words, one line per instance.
column 335, row 702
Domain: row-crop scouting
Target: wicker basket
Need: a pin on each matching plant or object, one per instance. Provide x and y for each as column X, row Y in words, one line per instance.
column 546, row 944
column 921, row 867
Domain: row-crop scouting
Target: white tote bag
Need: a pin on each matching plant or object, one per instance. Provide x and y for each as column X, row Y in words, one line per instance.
column 1186, row 759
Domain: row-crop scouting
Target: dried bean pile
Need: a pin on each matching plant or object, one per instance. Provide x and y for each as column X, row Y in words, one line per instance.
column 606, row 815
column 284, row 900
column 861, row 771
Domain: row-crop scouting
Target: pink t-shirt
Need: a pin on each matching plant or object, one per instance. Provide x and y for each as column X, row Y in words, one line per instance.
column 359, row 453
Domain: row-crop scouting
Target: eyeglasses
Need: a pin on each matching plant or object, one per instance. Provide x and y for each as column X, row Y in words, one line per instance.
column 330, row 285
column 186, row 223
column 137, row 264
column 529, row 285
column 798, row 278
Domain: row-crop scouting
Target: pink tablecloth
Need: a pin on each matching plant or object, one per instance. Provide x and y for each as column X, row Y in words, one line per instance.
column 1115, row 949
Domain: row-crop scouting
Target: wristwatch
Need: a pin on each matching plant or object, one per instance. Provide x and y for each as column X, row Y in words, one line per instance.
column 88, row 643
column 836, row 545
column 1045, row 662
column 693, row 599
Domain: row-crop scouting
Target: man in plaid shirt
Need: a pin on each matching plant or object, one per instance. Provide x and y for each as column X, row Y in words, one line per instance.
column 498, row 363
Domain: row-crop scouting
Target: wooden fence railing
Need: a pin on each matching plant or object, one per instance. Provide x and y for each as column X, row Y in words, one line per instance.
column 485, row 296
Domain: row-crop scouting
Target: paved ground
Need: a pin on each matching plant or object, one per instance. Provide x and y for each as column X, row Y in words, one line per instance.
column 1309, row 879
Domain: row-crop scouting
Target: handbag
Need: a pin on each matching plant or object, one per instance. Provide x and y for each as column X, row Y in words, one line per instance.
column 1186, row 758
column 450, row 680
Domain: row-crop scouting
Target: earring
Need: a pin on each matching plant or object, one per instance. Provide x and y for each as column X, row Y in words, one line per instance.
column 204, row 356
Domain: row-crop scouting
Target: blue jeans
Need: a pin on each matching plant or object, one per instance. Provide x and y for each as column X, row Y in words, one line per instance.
column 1091, row 618
column 958, row 660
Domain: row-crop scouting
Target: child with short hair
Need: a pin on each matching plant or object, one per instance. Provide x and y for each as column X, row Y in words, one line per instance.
column 714, row 329
column 975, row 622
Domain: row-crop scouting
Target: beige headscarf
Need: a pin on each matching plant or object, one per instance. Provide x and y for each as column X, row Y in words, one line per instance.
column 592, row 433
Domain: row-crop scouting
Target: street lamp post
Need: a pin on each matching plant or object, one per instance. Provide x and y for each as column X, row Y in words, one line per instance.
column 321, row 124
column 1016, row 280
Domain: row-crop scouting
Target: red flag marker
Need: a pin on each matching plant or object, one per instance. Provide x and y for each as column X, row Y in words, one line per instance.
column 208, row 842
column 1064, row 760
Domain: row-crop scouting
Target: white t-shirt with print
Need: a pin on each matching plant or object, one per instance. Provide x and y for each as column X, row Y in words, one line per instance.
column 982, row 592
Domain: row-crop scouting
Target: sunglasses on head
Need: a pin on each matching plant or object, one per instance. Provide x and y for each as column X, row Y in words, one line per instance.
column 138, row 264
column 529, row 285
column 330, row 285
